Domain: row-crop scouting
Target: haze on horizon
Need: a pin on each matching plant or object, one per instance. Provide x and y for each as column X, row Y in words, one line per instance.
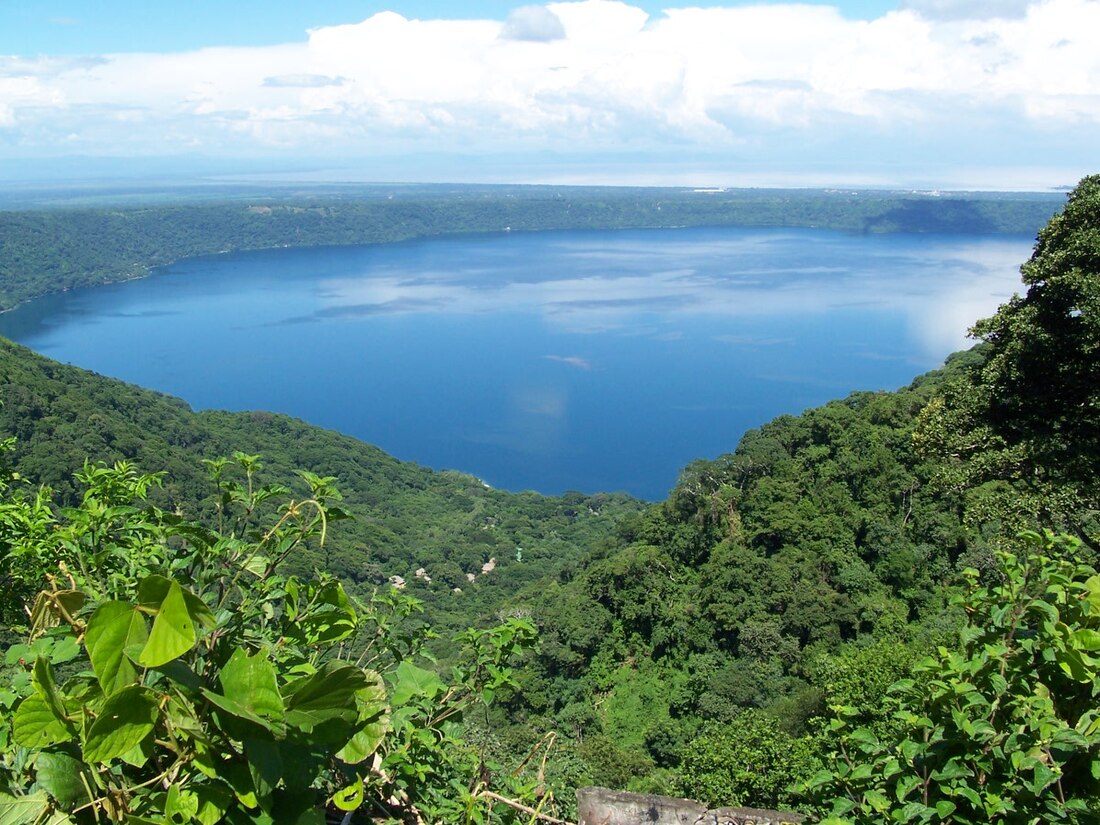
column 972, row 94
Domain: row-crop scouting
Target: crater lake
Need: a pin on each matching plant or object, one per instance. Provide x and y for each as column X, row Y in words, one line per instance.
column 584, row 360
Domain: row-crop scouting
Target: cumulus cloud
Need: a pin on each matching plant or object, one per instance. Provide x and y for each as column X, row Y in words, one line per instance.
column 752, row 81
column 533, row 23
column 11, row 66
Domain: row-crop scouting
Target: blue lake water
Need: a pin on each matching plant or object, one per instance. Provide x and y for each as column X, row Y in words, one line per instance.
column 599, row 360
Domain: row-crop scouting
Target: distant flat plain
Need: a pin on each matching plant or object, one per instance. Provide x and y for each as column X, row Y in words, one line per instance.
column 587, row 360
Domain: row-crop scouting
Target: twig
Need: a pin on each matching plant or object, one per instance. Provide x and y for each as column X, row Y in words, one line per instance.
column 511, row 803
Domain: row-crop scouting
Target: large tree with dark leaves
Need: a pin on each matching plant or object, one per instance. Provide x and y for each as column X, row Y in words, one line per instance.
column 1044, row 369
column 1028, row 414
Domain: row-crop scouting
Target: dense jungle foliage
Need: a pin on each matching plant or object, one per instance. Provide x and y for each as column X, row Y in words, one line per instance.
column 44, row 251
column 884, row 609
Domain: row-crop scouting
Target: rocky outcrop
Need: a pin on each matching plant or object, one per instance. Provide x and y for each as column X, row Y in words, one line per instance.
column 600, row 806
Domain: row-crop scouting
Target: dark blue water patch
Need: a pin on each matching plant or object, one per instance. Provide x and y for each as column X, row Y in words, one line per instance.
column 547, row 361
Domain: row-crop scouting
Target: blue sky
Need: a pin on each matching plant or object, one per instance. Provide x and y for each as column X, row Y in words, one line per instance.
column 99, row 26
column 919, row 93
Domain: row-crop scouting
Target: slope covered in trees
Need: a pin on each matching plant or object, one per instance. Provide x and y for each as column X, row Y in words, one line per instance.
column 405, row 517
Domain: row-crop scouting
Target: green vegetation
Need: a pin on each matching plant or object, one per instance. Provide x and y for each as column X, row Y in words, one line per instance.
column 173, row 674
column 51, row 250
column 781, row 590
column 405, row 517
column 1005, row 727
column 886, row 609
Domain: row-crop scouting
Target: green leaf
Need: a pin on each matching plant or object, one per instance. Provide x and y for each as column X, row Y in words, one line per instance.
column 127, row 718
column 23, row 810
column 173, row 631
column 876, row 800
column 240, row 780
column 945, row 807
column 349, row 798
column 60, row 775
column 952, row 770
column 214, row 801
column 180, row 806
column 373, row 722
column 265, row 766
column 1087, row 639
column 412, row 681
column 251, row 681
column 35, row 725
column 113, row 627
column 328, row 694
column 1092, row 587
column 44, row 684
column 153, row 590
column 140, row 753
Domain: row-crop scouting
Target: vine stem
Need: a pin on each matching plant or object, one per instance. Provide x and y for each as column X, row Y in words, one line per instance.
column 519, row 806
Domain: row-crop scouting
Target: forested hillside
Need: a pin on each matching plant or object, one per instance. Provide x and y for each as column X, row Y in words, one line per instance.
column 51, row 250
column 404, row 517
column 886, row 609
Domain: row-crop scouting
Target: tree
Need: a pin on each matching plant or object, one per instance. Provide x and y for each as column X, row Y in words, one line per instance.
column 1027, row 410
column 1044, row 354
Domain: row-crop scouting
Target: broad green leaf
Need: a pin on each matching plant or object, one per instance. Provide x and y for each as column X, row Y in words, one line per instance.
column 257, row 565
column 23, row 810
column 173, row 631
column 1087, row 639
column 945, row 807
column 113, row 627
column 240, row 780
column 374, row 723
column 65, row 650
column 140, row 753
column 365, row 742
column 820, row 778
column 153, row 590
column 952, row 770
column 126, row 719
column 265, row 766
column 251, row 681
column 274, row 727
column 876, row 800
column 412, row 681
column 35, row 725
column 214, row 800
column 60, row 775
column 1092, row 587
column 330, row 693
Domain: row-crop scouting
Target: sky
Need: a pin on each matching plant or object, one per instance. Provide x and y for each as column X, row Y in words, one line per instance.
column 952, row 94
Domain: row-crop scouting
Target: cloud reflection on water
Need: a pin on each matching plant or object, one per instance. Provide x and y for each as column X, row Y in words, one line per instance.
column 940, row 284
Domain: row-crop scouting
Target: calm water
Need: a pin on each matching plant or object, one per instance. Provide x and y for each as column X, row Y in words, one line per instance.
column 547, row 361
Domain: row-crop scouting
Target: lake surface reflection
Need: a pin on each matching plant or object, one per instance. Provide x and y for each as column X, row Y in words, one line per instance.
column 548, row 361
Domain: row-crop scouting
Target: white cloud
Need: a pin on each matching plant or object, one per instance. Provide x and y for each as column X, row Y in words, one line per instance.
column 534, row 23
column 758, row 81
